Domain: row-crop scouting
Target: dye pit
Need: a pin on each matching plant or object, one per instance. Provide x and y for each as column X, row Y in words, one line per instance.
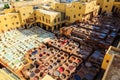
column 34, row 52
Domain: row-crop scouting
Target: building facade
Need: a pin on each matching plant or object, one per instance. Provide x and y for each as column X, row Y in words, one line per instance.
column 48, row 20
column 51, row 19
column 109, row 6
column 108, row 56
column 9, row 21
column 26, row 15
column 111, row 57
column 76, row 11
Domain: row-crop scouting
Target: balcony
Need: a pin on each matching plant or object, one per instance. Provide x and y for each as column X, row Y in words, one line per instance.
column 30, row 20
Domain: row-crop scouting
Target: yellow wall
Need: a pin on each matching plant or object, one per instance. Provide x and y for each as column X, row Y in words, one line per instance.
column 91, row 9
column 109, row 65
column 108, row 56
column 106, row 61
column 91, row 6
column 78, row 11
column 74, row 12
column 2, row 22
column 9, row 21
column 100, row 2
column 40, row 16
column 61, row 7
column 8, row 10
column 14, row 17
column 25, row 13
column 5, row 76
column 107, row 6
column 49, row 17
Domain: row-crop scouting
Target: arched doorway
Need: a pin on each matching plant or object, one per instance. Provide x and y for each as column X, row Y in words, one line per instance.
column 38, row 24
column 49, row 28
column 43, row 26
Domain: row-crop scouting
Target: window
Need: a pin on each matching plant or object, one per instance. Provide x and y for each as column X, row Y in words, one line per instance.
column 5, row 18
column 107, row 61
column 58, row 19
column 74, row 6
column 98, row 3
column 24, row 20
column 55, row 20
column 15, row 16
column 6, row 25
column 17, row 22
column 68, row 17
column 79, row 7
column 43, row 18
column 12, row 23
column 40, row 18
column 106, row 6
column 46, row 21
column 74, row 16
column 30, row 13
column 23, row 14
column 49, row 21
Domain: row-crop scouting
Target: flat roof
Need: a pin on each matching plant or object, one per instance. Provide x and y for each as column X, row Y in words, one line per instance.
column 25, row 3
column 3, row 14
column 48, row 12
column 113, row 71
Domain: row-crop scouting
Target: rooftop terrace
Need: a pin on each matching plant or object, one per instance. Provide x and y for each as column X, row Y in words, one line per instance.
column 112, row 73
column 48, row 12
